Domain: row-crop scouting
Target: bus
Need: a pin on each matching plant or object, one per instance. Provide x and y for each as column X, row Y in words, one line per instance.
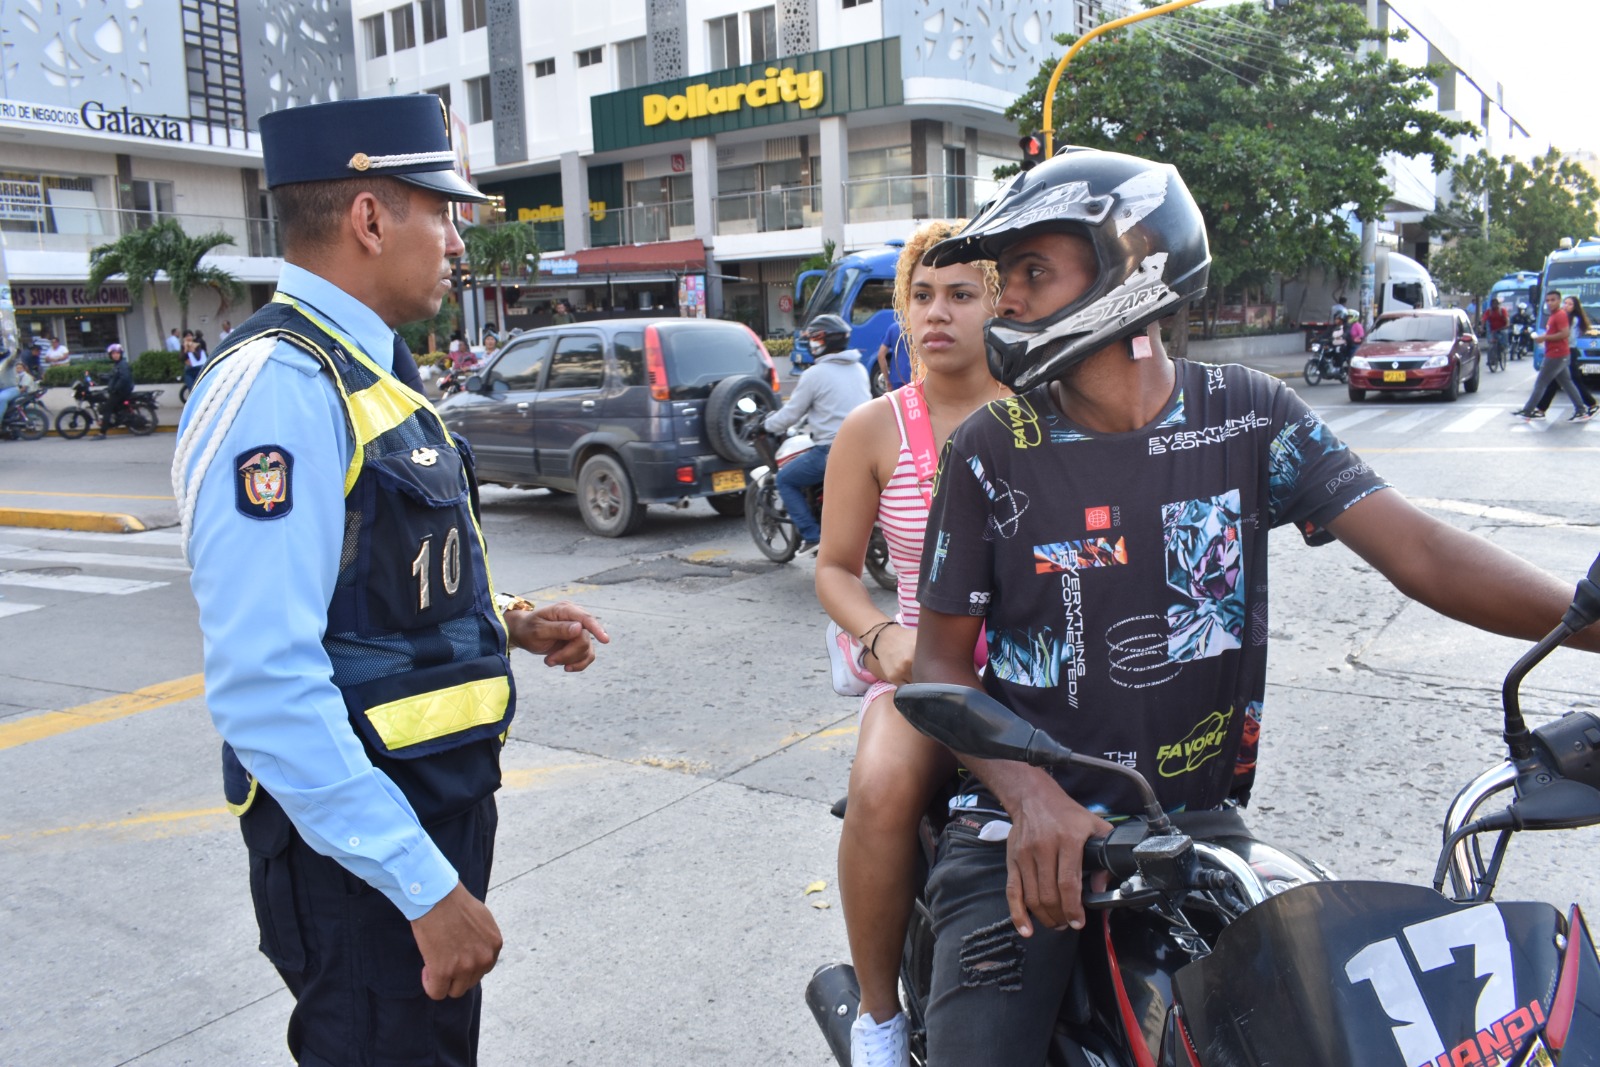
column 1574, row 270
column 1517, row 287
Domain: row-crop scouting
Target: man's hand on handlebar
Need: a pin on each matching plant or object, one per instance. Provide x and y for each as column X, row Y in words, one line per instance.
column 1044, row 858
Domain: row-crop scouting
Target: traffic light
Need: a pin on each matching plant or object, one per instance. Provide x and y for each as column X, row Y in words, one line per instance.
column 1032, row 150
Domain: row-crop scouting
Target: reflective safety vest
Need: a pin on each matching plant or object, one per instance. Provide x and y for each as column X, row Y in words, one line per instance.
column 418, row 648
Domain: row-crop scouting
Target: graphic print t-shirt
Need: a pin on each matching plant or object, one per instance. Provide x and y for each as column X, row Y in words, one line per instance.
column 1123, row 577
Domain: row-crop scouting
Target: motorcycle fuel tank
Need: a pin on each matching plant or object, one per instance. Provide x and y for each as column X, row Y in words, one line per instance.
column 1338, row 974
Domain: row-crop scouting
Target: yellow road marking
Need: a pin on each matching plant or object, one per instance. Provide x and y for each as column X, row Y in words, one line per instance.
column 157, row 818
column 838, row 731
column 556, row 592
column 704, row 554
column 51, row 723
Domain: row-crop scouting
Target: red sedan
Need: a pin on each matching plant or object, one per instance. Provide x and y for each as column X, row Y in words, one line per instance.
column 1418, row 351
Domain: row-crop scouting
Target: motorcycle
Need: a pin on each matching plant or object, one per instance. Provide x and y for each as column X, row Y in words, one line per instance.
column 1521, row 340
column 1215, row 948
column 1327, row 359
column 25, row 416
column 452, row 381
column 137, row 413
column 768, row 520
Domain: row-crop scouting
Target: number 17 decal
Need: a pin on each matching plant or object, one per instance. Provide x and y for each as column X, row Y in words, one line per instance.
column 1432, row 942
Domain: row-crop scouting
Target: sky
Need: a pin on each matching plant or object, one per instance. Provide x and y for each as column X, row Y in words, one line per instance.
column 1541, row 51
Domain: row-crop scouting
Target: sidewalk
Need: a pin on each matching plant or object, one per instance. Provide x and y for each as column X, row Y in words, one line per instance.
column 116, row 484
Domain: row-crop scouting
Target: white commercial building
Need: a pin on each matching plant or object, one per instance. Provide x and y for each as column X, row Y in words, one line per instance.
column 703, row 148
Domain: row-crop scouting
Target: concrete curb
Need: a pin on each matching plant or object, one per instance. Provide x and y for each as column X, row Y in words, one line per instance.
column 88, row 521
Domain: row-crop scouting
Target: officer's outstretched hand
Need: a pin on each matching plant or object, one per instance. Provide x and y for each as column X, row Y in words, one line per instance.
column 459, row 942
column 559, row 632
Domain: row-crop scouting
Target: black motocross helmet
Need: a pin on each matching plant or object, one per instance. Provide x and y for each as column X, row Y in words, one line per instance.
column 827, row 333
column 1149, row 243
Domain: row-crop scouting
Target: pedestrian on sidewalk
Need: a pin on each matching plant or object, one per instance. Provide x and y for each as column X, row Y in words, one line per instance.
column 1557, row 343
column 357, row 659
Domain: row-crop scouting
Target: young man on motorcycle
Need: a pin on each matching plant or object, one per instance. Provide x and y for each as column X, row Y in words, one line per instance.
column 1106, row 527
column 835, row 386
column 118, row 389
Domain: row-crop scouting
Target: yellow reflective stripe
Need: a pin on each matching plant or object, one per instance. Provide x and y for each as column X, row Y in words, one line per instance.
column 250, row 798
column 413, row 720
column 379, row 408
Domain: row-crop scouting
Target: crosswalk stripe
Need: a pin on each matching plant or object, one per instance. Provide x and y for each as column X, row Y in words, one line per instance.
column 16, row 607
column 1474, row 420
column 1344, row 422
column 1406, row 423
column 15, row 553
column 77, row 583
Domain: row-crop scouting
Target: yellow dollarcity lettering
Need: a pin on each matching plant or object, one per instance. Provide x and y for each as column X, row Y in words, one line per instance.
column 546, row 213
column 696, row 101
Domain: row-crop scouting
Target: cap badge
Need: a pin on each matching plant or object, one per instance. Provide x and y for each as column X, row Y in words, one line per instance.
column 360, row 161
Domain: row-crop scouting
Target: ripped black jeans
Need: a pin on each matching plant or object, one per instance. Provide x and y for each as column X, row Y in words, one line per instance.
column 995, row 993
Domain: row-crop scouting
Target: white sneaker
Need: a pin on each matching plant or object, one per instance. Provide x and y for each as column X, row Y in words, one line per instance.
column 875, row 1044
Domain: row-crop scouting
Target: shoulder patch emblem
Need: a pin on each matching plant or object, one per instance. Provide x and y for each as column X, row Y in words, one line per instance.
column 264, row 489
column 424, row 457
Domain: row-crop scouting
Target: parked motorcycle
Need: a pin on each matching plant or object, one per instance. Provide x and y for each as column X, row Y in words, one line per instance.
column 1215, row 948
column 1327, row 359
column 137, row 413
column 25, row 416
column 768, row 520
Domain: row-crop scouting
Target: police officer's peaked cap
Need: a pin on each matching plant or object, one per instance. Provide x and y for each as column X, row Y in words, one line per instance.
column 404, row 137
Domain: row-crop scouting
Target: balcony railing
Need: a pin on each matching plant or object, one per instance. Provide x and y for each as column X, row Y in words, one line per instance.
column 670, row 220
column 916, row 196
column 72, row 229
column 785, row 208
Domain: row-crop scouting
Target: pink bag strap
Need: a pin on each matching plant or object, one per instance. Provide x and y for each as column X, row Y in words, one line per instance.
column 916, row 427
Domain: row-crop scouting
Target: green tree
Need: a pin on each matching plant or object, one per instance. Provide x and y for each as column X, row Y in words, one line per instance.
column 1472, row 262
column 1277, row 121
column 165, row 248
column 817, row 261
column 502, row 250
column 1540, row 201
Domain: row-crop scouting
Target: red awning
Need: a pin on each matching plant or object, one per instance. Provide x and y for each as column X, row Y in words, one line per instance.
column 680, row 256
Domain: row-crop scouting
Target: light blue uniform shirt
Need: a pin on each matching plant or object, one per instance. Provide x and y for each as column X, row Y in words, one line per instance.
column 264, row 586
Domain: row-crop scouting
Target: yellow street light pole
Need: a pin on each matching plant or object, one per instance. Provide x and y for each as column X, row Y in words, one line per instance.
column 1055, row 78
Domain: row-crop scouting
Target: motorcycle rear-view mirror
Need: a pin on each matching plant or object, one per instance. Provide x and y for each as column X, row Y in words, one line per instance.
column 970, row 721
column 1561, row 805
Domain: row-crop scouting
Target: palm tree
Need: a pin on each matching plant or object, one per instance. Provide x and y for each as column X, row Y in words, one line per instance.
column 503, row 250
column 164, row 248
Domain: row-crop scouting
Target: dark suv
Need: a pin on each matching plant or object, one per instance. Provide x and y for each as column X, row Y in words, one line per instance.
column 623, row 412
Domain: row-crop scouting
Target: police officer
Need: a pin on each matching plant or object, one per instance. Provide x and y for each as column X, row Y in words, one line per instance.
column 356, row 659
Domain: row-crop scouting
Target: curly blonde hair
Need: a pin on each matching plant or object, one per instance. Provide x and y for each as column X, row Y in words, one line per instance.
column 923, row 238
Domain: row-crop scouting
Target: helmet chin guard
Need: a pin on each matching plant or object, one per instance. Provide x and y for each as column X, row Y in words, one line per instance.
column 1150, row 249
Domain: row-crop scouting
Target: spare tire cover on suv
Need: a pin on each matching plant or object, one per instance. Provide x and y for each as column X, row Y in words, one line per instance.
column 729, row 429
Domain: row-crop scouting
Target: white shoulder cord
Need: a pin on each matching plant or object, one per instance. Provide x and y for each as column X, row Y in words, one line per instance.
column 219, row 404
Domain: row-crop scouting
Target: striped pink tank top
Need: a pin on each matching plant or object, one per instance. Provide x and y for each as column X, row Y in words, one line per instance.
column 903, row 515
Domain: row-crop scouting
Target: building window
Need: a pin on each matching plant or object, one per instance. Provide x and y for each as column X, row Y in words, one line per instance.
column 763, row 34
column 377, row 40
column 151, row 201
column 856, row 3
column 632, row 66
column 433, row 24
column 543, row 68
column 480, row 106
column 403, row 28
column 474, row 15
column 724, row 35
column 442, row 92
column 590, row 57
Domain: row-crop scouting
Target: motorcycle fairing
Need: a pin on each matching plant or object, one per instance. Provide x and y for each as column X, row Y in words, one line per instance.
column 1577, row 1037
column 1334, row 974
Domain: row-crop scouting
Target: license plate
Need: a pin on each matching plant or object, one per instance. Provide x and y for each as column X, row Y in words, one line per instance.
column 727, row 481
column 1394, row 375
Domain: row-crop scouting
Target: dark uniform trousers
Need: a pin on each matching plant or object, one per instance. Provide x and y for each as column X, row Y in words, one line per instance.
column 347, row 953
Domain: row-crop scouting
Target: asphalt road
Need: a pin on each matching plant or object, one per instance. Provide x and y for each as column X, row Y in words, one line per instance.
column 665, row 812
